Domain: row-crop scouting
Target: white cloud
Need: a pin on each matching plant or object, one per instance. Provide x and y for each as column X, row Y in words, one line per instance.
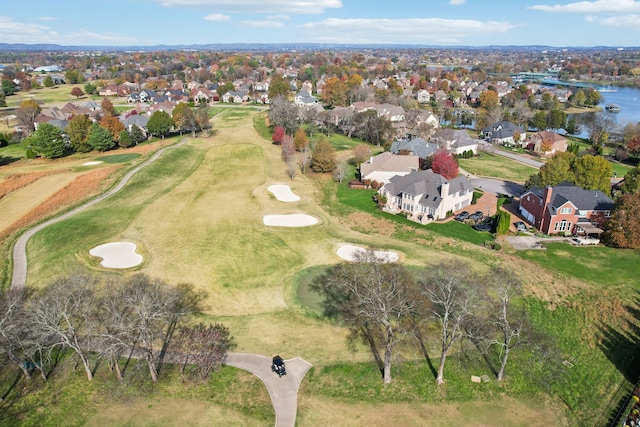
column 418, row 30
column 626, row 21
column 217, row 17
column 19, row 32
column 457, row 2
column 263, row 24
column 258, row 6
column 598, row 6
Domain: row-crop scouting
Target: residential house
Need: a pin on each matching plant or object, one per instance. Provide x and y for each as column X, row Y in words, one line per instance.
column 234, row 96
column 457, row 141
column 204, row 96
column 304, row 98
column 386, row 165
column 503, row 132
column 547, row 143
column 566, row 208
column 425, row 196
column 413, row 147
column 109, row 90
column 423, row 96
column 140, row 120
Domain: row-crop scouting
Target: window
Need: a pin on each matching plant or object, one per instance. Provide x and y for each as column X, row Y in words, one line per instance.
column 607, row 213
column 566, row 210
column 582, row 214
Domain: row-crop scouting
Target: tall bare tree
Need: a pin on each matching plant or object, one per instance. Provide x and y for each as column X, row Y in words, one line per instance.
column 450, row 300
column 284, row 113
column 372, row 296
column 62, row 316
column 14, row 330
column 510, row 324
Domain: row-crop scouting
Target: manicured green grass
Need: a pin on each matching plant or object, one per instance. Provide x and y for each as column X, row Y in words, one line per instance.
column 307, row 296
column 343, row 143
column 260, row 125
column 497, row 166
column 11, row 153
column 118, row 158
column 459, row 231
column 620, row 169
column 601, row 266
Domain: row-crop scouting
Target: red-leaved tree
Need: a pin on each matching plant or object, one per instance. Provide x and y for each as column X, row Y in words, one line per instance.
column 444, row 164
column 278, row 135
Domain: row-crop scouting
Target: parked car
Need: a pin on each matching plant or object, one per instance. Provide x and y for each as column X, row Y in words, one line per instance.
column 476, row 216
column 520, row 226
column 461, row 216
column 278, row 367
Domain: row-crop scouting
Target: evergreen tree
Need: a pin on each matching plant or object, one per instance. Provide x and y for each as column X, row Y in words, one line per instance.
column 100, row 138
column 47, row 141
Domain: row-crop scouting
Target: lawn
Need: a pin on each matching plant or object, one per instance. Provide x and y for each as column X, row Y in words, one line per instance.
column 490, row 165
column 603, row 267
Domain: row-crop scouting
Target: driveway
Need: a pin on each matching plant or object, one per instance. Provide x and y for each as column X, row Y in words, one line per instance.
column 489, row 148
column 282, row 390
column 498, row 186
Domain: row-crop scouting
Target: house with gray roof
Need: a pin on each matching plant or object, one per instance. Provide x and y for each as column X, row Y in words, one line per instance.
column 413, row 146
column 426, row 196
column 566, row 208
column 503, row 132
column 457, row 141
column 384, row 166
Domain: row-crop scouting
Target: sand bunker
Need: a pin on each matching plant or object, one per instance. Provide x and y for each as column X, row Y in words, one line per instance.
column 292, row 220
column 348, row 252
column 91, row 163
column 117, row 255
column 283, row 193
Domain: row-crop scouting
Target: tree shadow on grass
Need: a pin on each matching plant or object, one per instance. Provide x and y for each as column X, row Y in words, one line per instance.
column 621, row 345
column 7, row 160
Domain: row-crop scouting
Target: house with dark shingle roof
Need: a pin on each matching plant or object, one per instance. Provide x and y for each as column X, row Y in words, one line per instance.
column 426, row 196
column 503, row 132
column 566, row 208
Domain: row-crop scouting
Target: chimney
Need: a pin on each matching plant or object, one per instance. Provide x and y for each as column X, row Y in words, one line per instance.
column 444, row 189
column 548, row 192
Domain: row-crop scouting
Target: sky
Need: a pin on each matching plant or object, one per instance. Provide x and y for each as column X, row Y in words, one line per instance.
column 614, row 23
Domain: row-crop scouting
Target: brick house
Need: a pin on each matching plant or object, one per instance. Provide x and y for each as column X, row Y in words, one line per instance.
column 566, row 208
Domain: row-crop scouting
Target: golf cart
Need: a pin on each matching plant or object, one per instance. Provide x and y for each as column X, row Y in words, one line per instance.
column 278, row 367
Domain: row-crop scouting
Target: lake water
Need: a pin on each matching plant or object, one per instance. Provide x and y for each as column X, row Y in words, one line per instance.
column 629, row 101
column 627, row 98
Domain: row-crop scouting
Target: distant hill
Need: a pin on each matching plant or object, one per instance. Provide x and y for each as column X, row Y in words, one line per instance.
column 44, row 47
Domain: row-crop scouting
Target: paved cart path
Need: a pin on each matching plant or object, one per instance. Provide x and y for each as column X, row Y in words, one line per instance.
column 282, row 390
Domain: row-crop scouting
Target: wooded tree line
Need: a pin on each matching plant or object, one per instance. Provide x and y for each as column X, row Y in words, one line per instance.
column 111, row 319
column 83, row 134
column 384, row 304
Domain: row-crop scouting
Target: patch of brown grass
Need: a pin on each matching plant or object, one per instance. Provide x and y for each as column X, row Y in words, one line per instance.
column 19, row 180
column 81, row 188
column 367, row 223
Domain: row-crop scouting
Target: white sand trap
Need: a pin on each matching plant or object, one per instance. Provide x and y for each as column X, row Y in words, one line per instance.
column 348, row 252
column 292, row 220
column 91, row 163
column 117, row 255
column 283, row 193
